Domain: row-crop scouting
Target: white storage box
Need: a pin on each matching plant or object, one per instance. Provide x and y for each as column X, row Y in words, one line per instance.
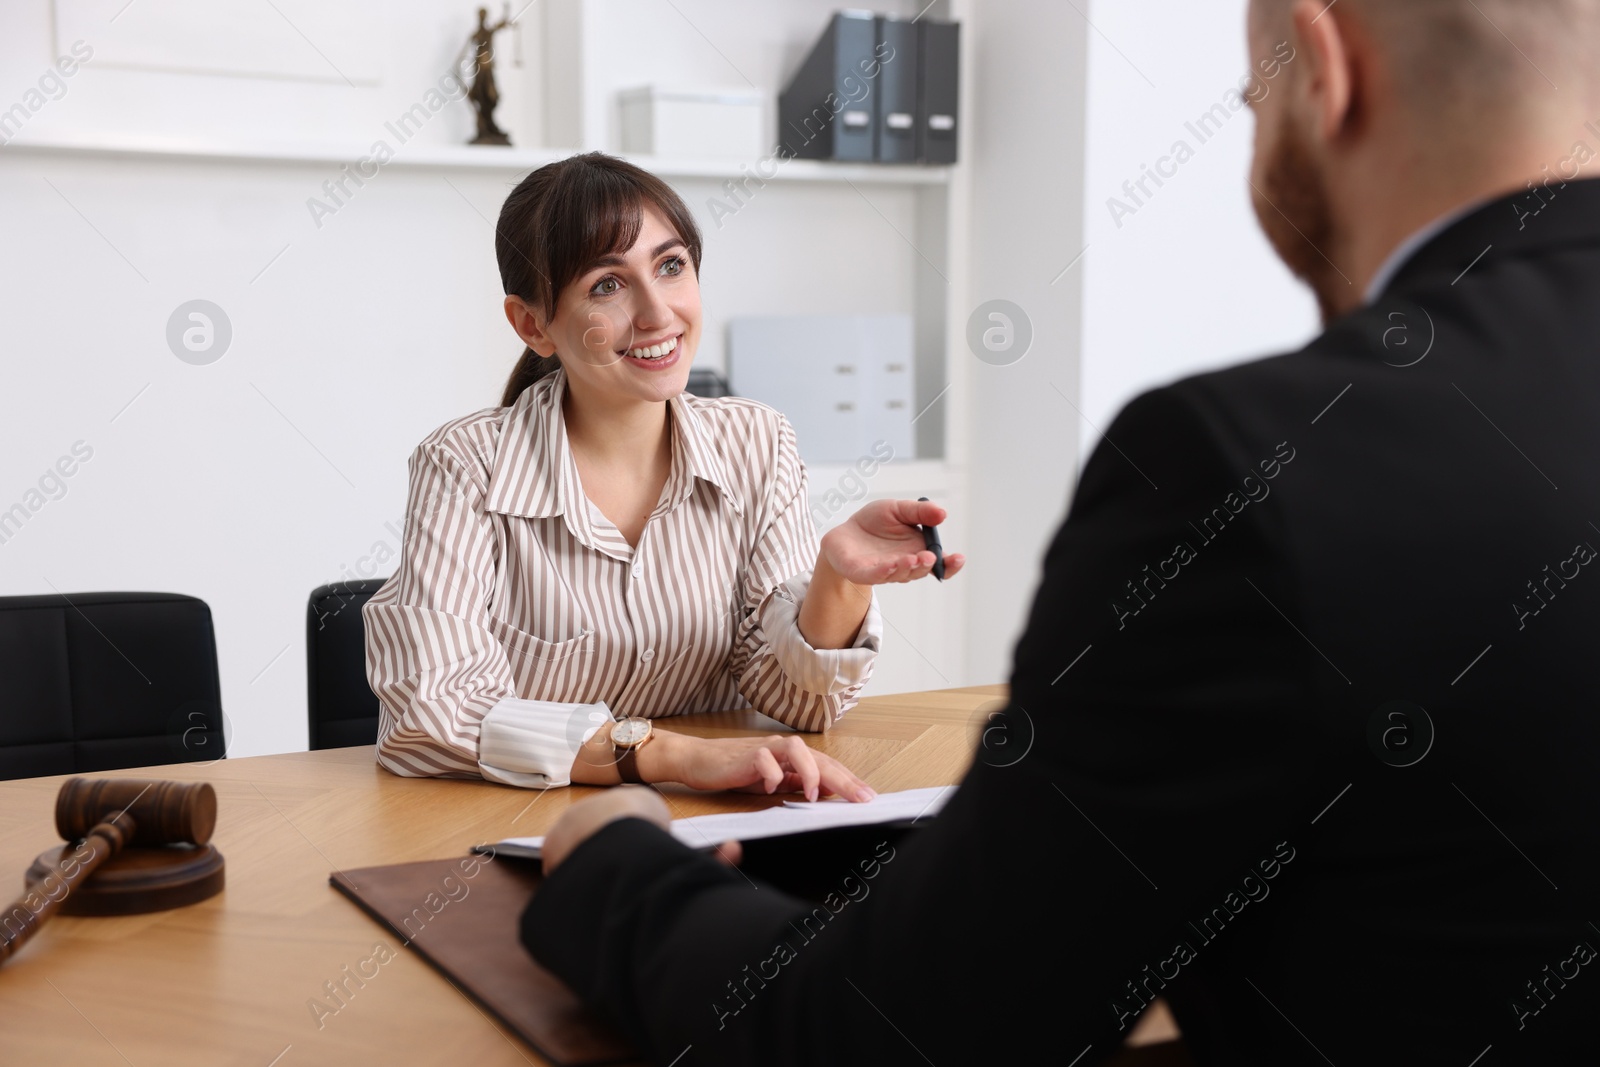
column 693, row 123
column 845, row 381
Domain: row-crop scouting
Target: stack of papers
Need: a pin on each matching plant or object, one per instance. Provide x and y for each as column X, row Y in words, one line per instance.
column 791, row 817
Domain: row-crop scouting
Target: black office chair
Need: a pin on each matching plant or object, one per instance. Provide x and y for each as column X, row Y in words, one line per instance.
column 707, row 384
column 341, row 708
column 101, row 681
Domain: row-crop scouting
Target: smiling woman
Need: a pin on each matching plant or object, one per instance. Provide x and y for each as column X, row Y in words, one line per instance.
column 604, row 543
column 570, row 217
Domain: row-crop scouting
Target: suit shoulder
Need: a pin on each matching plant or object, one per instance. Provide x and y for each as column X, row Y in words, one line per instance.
column 1206, row 426
column 1356, row 346
column 1283, row 395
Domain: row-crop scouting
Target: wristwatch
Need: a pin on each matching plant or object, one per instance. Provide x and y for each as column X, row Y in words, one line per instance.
column 628, row 736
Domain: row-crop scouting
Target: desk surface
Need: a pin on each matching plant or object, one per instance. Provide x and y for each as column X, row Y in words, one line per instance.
column 229, row 980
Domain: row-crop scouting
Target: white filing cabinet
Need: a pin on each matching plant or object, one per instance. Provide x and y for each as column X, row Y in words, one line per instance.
column 846, row 382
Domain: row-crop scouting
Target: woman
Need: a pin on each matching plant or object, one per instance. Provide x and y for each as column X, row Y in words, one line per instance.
column 604, row 545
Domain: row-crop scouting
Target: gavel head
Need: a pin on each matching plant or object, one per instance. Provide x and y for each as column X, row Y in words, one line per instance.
column 163, row 813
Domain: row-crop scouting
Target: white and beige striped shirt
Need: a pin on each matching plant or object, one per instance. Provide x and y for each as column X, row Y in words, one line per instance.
column 518, row 606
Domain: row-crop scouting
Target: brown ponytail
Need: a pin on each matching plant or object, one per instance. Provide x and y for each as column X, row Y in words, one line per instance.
column 562, row 218
column 529, row 369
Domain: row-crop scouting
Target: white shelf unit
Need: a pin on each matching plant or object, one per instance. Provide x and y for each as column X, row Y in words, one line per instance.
column 460, row 157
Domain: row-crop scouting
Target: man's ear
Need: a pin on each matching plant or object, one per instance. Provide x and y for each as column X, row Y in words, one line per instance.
column 530, row 326
column 1325, row 46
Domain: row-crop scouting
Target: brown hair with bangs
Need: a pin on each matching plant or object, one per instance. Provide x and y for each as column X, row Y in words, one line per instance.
column 562, row 218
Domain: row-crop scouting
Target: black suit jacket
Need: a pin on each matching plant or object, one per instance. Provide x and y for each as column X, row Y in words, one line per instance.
column 1308, row 705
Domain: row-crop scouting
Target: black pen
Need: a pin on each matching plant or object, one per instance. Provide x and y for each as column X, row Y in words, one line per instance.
column 930, row 541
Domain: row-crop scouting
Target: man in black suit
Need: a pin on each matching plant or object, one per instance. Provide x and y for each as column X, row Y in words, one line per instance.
column 1310, row 680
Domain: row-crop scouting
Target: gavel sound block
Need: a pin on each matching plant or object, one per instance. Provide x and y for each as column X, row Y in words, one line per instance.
column 132, row 846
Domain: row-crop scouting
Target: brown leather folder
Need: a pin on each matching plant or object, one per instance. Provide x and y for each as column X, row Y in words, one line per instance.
column 466, row 927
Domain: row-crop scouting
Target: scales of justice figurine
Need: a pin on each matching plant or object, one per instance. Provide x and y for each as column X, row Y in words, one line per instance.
column 484, row 93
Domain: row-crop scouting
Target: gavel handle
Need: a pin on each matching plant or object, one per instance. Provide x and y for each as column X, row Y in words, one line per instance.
column 41, row 900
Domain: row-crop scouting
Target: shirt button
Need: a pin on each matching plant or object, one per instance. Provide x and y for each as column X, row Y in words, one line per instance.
column 647, row 655
column 638, row 570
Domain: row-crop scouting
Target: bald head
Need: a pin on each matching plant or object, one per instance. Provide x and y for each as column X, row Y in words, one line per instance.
column 1459, row 63
column 1395, row 113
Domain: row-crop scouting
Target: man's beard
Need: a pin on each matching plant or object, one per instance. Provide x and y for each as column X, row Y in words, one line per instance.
column 1295, row 212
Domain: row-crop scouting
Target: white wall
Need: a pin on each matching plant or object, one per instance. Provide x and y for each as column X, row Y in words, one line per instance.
column 1025, row 137
column 249, row 481
column 1186, row 283
column 279, row 467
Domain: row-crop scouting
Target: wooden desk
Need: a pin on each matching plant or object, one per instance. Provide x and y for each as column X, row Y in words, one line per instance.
column 228, row 981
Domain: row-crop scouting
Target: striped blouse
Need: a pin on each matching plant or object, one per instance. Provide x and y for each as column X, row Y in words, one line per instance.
column 520, row 618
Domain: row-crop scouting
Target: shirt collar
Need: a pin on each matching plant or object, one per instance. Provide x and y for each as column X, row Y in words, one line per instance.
column 535, row 476
column 1413, row 244
column 693, row 446
column 529, row 475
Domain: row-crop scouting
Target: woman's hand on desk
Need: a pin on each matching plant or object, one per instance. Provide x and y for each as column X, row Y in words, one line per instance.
column 766, row 765
column 745, row 764
column 748, row 764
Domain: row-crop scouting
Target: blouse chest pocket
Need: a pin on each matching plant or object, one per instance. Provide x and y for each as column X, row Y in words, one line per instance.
column 546, row 670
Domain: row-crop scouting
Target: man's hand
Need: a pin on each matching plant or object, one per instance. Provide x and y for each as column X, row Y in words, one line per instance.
column 579, row 822
column 588, row 817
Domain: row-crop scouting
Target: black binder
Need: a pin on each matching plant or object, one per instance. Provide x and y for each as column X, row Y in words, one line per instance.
column 896, row 93
column 938, row 91
column 827, row 111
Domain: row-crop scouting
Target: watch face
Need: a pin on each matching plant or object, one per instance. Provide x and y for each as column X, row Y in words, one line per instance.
column 630, row 732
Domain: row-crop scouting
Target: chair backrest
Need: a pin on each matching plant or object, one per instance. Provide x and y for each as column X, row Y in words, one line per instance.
column 340, row 705
column 102, row 681
column 707, row 383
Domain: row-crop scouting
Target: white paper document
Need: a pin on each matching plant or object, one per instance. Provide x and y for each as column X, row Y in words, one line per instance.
column 790, row 817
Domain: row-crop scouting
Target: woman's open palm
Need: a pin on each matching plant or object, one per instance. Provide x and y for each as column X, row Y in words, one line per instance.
column 881, row 543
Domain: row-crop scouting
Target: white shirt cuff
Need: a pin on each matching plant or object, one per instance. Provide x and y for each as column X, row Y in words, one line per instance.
column 533, row 743
column 823, row 671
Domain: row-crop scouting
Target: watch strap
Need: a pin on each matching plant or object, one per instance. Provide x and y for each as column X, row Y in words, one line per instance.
column 628, row 764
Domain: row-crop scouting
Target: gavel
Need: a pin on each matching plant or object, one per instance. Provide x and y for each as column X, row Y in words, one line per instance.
column 135, row 834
